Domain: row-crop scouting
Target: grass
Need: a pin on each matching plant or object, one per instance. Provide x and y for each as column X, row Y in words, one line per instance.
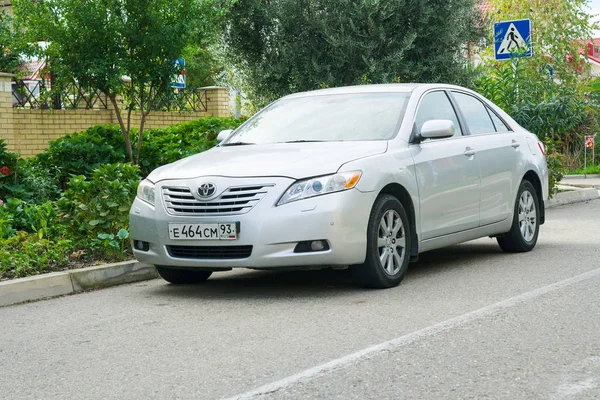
column 591, row 169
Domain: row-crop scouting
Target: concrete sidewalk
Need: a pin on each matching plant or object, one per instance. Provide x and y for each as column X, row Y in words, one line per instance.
column 582, row 181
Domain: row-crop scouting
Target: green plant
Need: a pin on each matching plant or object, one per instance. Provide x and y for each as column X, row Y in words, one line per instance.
column 23, row 255
column 40, row 219
column 81, row 153
column 556, row 166
column 38, row 183
column 591, row 169
column 100, row 204
column 6, row 228
column 8, row 166
column 112, row 246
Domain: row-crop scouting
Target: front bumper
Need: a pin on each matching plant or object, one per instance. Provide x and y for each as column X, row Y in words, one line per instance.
column 272, row 231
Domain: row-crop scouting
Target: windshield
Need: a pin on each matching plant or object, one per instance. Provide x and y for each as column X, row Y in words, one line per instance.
column 357, row 116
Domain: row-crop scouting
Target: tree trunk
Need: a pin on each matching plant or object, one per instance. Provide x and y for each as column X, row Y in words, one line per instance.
column 125, row 131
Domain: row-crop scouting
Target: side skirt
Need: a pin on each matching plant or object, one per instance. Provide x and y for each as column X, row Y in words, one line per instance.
column 464, row 236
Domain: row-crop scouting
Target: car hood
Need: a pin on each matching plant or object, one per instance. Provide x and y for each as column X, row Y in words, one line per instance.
column 292, row 160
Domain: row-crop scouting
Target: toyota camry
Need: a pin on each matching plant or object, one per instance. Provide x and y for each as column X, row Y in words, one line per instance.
column 364, row 177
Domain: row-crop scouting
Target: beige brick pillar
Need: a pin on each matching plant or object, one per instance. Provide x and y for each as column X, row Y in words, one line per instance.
column 217, row 101
column 7, row 129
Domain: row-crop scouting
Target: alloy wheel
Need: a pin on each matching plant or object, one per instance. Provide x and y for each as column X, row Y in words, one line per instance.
column 391, row 242
column 527, row 216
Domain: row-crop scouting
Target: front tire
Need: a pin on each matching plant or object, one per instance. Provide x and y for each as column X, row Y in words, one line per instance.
column 525, row 228
column 182, row 276
column 388, row 246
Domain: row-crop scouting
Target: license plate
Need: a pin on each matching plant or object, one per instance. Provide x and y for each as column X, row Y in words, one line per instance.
column 226, row 231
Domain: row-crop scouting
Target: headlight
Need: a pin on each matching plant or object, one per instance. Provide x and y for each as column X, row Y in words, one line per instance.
column 321, row 185
column 145, row 191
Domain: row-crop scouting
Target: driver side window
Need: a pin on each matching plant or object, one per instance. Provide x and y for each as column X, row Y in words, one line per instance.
column 436, row 105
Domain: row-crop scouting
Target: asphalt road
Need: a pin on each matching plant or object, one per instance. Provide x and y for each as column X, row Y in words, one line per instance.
column 467, row 322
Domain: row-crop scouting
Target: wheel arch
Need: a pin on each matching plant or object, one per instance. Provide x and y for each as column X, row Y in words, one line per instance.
column 532, row 177
column 399, row 192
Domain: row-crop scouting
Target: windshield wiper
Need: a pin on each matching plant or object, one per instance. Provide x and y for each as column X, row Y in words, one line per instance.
column 237, row 144
column 303, row 141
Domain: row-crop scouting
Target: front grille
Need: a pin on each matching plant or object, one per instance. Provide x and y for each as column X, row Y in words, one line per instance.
column 210, row 252
column 234, row 200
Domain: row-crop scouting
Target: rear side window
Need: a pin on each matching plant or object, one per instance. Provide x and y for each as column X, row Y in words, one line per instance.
column 475, row 113
column 498, row 123
column 436, row 105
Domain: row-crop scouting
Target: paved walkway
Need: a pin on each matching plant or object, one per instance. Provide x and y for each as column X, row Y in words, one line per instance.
column 581, row 182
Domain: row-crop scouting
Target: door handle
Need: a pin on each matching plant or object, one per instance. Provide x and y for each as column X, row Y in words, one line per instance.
column 515, row 144
column 469, row 152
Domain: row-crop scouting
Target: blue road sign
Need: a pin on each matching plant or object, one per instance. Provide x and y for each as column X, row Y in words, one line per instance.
column 179, row 80
column 512, row 39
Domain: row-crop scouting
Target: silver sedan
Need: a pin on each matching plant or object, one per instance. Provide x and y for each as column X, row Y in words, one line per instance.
column 365, row 177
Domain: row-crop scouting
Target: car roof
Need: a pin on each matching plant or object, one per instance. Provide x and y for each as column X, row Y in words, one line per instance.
column 379, row 88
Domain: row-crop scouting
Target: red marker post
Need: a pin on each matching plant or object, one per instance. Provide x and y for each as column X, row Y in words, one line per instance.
column 589, row 144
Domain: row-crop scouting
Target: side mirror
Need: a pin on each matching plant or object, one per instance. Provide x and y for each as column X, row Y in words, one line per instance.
column 437, row 129
column 223, row 135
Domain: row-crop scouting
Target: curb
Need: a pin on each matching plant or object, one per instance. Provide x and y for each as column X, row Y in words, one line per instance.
column 572, row 197
column 73, row 281
column 582, row 176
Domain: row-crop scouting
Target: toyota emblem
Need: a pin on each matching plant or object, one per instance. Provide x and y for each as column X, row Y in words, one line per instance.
column 206, row 190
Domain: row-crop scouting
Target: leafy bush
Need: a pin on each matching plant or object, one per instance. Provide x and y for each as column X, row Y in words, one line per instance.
column 100, row 204
column 24, row 254
column 112, row 246
column 8, row 166
column 81, row 153
column 40, row 219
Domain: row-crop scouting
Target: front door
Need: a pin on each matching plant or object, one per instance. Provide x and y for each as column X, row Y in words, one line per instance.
column 447, row 173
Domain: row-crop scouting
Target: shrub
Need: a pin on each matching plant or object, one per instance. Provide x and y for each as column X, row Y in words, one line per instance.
column 8, row 166
column 24, row 254
column 40, row 219
column 100, row 204
column 112, row 247
column 81, row 153
column 38, row 184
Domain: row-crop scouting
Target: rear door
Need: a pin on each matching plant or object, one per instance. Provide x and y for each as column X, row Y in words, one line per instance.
column 447, row 173
column 499, row 151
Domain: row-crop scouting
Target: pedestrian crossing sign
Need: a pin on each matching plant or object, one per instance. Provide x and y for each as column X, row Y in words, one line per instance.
column 512, row 39
column 179, row 79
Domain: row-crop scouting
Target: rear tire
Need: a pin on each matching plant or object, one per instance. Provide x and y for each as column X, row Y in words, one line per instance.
column 525, row 228
column 388, row 246
column 182, row 276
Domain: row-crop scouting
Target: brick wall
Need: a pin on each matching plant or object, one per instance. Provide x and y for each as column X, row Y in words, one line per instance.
column 28, row 132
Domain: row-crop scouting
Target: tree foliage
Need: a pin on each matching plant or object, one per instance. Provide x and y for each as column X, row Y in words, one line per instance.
column 99, row 42
column 285, row 46
column 9, row 56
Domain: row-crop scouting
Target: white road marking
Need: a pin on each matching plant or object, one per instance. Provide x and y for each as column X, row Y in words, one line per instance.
column 401, row 341
column 573, row 389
